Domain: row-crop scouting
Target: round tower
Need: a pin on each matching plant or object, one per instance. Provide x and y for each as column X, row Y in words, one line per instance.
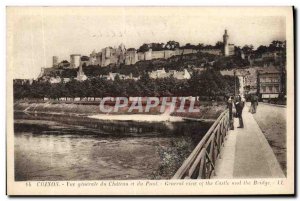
column 75, row 60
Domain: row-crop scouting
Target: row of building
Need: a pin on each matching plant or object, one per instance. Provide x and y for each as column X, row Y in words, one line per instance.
column 266, row 57
column 268, row 82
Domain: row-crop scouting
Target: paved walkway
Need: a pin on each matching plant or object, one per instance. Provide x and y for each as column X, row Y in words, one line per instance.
column 247, row 153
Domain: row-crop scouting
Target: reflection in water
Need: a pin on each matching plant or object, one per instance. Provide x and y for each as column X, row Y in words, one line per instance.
column 47, row 150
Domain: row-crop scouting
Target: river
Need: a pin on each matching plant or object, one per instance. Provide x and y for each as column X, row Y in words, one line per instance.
column 55, row 147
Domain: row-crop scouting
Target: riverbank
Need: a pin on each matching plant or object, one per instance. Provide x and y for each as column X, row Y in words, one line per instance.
column 138, row 117
column 208, row 110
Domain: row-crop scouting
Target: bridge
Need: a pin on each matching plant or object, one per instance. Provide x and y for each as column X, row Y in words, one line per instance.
column 223, row 153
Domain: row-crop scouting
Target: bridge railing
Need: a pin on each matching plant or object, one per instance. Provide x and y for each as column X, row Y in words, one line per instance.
column 201, row 162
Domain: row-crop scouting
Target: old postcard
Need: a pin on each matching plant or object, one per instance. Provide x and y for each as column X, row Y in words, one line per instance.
column 150, row 100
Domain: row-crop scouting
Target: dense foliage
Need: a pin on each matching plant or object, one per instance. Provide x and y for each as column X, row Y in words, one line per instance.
column 210, row 84
column 172, row 45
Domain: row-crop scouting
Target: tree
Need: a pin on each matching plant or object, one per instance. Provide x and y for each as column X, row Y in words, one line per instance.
column 157, row 46
column 247, row 49
column 219, row 45
column 261, row 49
column 171, row 45
column 65, row 63
column 99, row 87
column 200, row 46
column 85, row 58
column 210, row 83
column 144, row 48
column 277, row 45
column 189, row 46
column 131, row 49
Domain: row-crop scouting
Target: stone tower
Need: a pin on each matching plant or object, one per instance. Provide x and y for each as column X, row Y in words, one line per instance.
column 121, row 51
column 226, row 45
column 54, row 61
column 75, row 60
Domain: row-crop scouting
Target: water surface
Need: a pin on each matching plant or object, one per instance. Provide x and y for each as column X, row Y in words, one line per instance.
column 51, row 148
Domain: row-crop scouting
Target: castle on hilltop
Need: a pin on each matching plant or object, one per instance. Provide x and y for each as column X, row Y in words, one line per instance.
column 121, row 55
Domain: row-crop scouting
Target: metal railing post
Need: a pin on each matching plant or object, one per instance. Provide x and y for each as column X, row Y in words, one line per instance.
column 214, row 139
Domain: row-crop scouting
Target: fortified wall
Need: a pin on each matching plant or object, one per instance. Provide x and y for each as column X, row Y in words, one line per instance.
column 212, row 51
column 119, row 55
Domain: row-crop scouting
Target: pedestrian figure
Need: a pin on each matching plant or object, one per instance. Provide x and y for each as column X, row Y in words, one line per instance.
column 229, row 106
column 239, row 105
column 254, row 103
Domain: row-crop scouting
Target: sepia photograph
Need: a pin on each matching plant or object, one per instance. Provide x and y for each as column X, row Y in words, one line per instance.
column 150, row 100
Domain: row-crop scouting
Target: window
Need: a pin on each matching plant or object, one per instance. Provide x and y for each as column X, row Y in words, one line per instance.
column 270, row 88
column 276, row 88
column 263, row 89
column 275, row 79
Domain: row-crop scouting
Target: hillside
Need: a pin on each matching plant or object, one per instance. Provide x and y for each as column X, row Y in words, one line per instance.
column 181, row 62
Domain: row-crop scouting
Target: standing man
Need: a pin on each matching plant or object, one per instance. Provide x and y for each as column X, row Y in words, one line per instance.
column 229, row 106
column 251, row 109
column 239, row 106
column 255, row 103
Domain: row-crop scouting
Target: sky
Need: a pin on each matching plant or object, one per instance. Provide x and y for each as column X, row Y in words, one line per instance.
column 34, row 35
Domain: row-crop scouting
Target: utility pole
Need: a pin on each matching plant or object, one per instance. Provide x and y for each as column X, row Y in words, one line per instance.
column 234, row 73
